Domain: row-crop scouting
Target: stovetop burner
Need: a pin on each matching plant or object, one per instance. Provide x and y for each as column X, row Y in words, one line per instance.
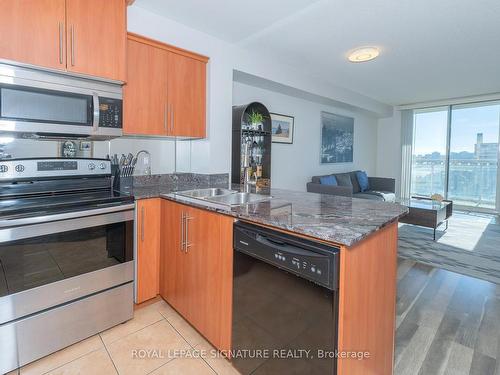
column 13, row 208
column 52, row 186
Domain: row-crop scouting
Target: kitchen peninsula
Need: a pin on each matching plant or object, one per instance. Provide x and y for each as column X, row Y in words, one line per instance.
column 364, row 231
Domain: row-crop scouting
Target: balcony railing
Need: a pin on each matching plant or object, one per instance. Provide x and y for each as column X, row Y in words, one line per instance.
column 472, row 182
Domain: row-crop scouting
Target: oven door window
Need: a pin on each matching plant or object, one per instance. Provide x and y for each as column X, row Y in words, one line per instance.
column 19, row 103
column 33, row 262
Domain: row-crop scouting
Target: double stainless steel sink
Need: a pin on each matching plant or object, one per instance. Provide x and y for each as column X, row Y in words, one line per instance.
column 224, row 196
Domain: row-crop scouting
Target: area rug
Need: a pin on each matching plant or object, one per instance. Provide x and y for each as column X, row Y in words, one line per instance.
column 470, row 246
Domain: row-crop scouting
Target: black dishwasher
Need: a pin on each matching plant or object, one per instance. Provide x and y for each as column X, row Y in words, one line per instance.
column 285, row 303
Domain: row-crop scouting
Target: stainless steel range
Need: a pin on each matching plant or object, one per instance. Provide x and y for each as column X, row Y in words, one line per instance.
column 66, row 255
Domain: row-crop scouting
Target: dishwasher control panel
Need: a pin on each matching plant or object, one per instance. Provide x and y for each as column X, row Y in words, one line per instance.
column 312, row 261
column 316, row 268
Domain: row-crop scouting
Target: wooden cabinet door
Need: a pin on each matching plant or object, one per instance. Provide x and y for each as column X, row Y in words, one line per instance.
column 33, row 32
column 209, row 261
column 197, row 280
column 173, row 266
column 145, row 94
column 96, row 34
column 202, row 239
column 148, row 248
column 187, row 95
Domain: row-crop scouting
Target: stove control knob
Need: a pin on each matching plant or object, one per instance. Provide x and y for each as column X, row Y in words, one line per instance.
column 91, row 166
column 102, row 166
column 19, row 168
column 4, row 169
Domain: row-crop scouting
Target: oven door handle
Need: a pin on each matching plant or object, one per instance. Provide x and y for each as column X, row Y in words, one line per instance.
column 65, row 225
column 65, row 216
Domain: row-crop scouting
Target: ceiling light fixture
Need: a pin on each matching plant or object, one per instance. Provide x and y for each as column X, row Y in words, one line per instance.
column 363, row 54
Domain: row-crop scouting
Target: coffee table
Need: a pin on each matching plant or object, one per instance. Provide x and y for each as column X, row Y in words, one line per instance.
column 427, row 213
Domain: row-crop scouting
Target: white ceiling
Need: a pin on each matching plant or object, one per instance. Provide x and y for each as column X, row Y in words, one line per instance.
column 431, row 49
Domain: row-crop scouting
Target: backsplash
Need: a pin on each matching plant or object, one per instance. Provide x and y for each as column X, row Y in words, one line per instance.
column 162, row 151
column 152, row 186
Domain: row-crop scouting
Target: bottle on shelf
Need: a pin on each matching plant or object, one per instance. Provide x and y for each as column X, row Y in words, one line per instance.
column 251, row 145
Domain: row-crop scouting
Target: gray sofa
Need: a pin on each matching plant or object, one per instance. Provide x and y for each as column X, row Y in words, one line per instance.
column 382, row 189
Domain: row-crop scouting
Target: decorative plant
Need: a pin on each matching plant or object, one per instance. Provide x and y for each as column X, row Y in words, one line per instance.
column 255, row 118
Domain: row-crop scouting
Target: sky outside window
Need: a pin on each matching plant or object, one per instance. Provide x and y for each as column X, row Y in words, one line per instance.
column 430, row 132
column 467, row 122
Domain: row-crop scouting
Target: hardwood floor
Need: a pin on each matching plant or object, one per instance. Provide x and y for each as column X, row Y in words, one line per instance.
column 446, row 323
column 469, row 246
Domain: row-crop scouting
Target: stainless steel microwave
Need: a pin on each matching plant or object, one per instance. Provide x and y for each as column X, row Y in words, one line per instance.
column 44, row 104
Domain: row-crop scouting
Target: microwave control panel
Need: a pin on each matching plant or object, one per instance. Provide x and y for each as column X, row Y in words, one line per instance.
column 110, row 113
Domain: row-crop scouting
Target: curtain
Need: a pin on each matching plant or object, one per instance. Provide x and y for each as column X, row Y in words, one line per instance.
column 406, row 151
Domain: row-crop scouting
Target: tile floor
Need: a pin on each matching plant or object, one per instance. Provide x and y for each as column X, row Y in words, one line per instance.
column 151, row 343
column 447, row 323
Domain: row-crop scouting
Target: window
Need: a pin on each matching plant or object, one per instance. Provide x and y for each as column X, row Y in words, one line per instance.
column 455, row 154
column 429, row 152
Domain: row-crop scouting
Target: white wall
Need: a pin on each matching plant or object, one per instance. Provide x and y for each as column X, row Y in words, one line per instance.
column 389, row 148
column 213, row 155
column 293, row 165
column 162, row 152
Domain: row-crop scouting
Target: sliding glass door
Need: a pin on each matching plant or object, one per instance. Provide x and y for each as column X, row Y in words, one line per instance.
column 474, row 155
column 455, row 154
column 429, row 152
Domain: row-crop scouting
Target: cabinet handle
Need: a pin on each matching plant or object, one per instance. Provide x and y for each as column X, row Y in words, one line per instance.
column 183, row 221
column 72, row 45
column 165, row 118
column 142, row 224
column 61, row 30
column 172, row 117
column 187, row 244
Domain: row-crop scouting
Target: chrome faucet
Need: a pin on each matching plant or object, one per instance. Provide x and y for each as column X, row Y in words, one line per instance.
column 247, row 183
column 147, row 161
column 247, row 169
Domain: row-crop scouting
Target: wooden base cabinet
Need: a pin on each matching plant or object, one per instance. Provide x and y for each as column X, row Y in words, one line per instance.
column 148, row 248
column 367, row 303
column 196, row 269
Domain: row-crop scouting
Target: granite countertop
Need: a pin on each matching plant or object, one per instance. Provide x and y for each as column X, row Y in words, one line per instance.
column 337, row 219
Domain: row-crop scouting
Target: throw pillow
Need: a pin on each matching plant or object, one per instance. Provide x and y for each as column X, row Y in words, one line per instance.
column 363, row 180
column 328, row 180
column 355, row 184
column 343, row 179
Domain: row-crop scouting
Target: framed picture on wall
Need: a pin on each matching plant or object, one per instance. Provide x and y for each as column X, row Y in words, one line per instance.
column 282, row 128
column 337, row 138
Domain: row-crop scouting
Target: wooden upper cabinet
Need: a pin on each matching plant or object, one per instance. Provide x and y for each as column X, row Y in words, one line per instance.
column 187, row 95
column 81, row 36
column 145, row 94
column 96, row 34
column 148, row 248
column 33, row 32
column 166, row 90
